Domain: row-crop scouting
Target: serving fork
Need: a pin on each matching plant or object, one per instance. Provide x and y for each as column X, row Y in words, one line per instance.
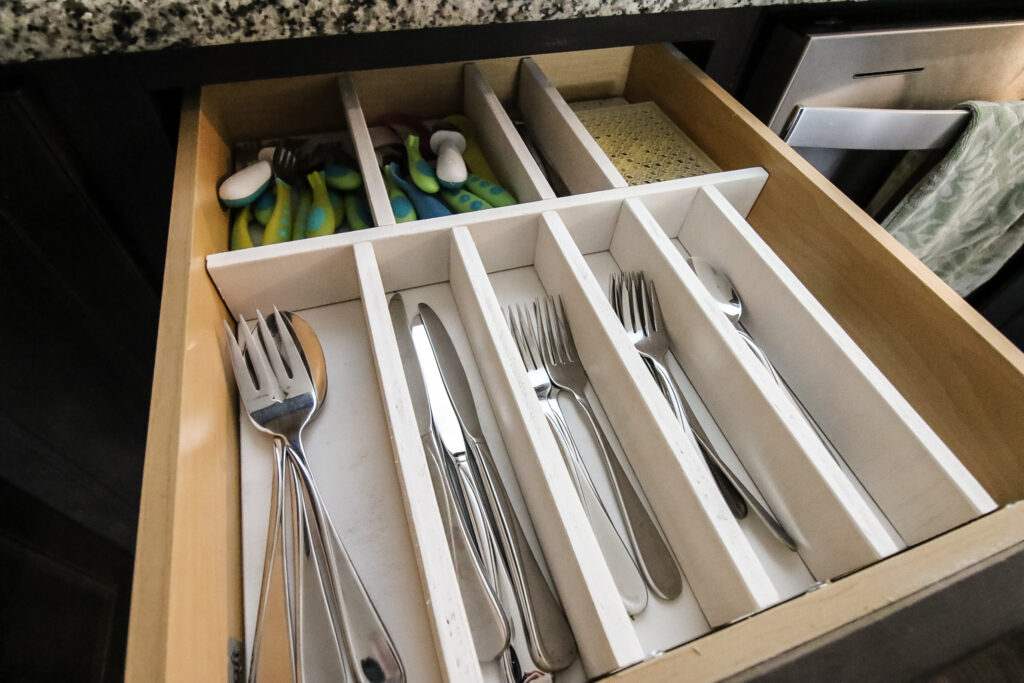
column 624, row 570
column 562, row 361
column 277, row 393
column 635, row 300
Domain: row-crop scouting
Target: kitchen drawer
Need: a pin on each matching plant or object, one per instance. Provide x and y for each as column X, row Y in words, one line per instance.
column 960, row 376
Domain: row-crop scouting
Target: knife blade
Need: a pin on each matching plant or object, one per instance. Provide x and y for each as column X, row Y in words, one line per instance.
column 548, row 636
column 487, row 620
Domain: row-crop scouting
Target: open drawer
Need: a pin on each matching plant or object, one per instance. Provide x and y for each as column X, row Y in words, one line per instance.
column 928, row 372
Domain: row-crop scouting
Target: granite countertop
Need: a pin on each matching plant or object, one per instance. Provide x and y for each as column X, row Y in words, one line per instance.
column 56, row 29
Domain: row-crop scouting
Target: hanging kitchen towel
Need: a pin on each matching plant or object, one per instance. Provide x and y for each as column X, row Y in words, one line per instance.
column 965, row 218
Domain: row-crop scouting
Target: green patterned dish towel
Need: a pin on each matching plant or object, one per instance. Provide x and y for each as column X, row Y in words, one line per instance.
column 965, row 218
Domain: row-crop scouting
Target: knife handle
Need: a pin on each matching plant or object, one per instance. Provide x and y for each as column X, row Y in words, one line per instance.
column 548, row 635
column 487, row 620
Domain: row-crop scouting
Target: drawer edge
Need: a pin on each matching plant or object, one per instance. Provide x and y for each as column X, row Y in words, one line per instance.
column 167, row 597
column 861, row 600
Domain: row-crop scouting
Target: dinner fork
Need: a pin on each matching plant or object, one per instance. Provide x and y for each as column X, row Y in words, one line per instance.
column 278, row 395
column 655, row 559
column 628, row 579
column 638, row 308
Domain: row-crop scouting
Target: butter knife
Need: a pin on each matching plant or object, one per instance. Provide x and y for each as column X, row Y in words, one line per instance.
column 548, row 636
column 487, row 620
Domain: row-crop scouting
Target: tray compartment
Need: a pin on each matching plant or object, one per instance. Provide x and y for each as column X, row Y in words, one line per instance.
column 912, row 476
column 571, row 150
column 349, row 450
column 450, row 627
column 717, row 561
column 432, row 92
column 273, row 109
column 835, row 528
column 523, row 448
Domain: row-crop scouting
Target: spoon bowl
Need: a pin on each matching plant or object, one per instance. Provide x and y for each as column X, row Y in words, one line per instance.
column 310, row 349
column 720, row 287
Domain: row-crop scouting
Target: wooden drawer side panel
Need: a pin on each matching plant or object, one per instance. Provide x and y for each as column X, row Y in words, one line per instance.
column 963, row 377
column 185, row 599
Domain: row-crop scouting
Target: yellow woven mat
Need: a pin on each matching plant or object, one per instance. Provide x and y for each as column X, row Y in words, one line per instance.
column 643, row 143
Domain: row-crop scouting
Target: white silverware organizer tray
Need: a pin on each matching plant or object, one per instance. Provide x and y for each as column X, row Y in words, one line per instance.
column 899, row 485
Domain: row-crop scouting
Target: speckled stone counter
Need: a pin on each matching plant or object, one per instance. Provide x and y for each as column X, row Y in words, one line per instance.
column 55, row 29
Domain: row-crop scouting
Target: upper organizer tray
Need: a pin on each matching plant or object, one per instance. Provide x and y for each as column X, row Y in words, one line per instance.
column 362, row 119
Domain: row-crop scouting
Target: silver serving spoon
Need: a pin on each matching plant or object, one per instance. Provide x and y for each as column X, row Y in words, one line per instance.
column 729, row 302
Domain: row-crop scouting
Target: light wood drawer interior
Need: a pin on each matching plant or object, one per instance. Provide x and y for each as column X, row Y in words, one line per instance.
column 962, row 378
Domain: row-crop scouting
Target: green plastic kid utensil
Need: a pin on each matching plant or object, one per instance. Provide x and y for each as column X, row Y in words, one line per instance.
column 240, row 237
column 419, row 170
column 400, row 204
column 488, row 191
column 357, row 211
column 340, row 177
column 279, row 227
column 302, row 216
column 338, row 204
column 463, row 201
column 263, row 208
column 321, row 215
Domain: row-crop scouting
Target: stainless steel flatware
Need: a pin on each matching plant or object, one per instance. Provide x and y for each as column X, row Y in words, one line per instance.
column 728, row 299
column 298, row 544
column 635, row 306
column 630, row 583
column 548, row 635
column 653, row 555
column 636, row 302
column 470, row 500
column 278, row 394
column 487, row 619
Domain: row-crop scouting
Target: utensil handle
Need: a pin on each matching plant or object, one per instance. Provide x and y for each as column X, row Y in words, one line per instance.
column 736, row 484
column 274, row 536
column 364, row 640
column 732, row 494
column 763, row 357
column 653, row 555
column 487, row 620
column 571, row 453
column 628, row 579
column 548, row 635
column 297, row 545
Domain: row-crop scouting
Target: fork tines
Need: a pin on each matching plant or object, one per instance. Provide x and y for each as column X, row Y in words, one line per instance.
column 524, row 331
column 267, row 376
column 559, row 345
column 635, row 301
column 252, row 369
column 285, row 164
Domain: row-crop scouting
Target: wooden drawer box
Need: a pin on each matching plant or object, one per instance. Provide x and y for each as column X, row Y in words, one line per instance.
column 956, row 372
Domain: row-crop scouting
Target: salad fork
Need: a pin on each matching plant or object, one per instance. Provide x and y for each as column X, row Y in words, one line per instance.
column 521, row 326
column 279, row 397
column 636, row 302
column 637, row 306
column 623, row 568
column 562, row 362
